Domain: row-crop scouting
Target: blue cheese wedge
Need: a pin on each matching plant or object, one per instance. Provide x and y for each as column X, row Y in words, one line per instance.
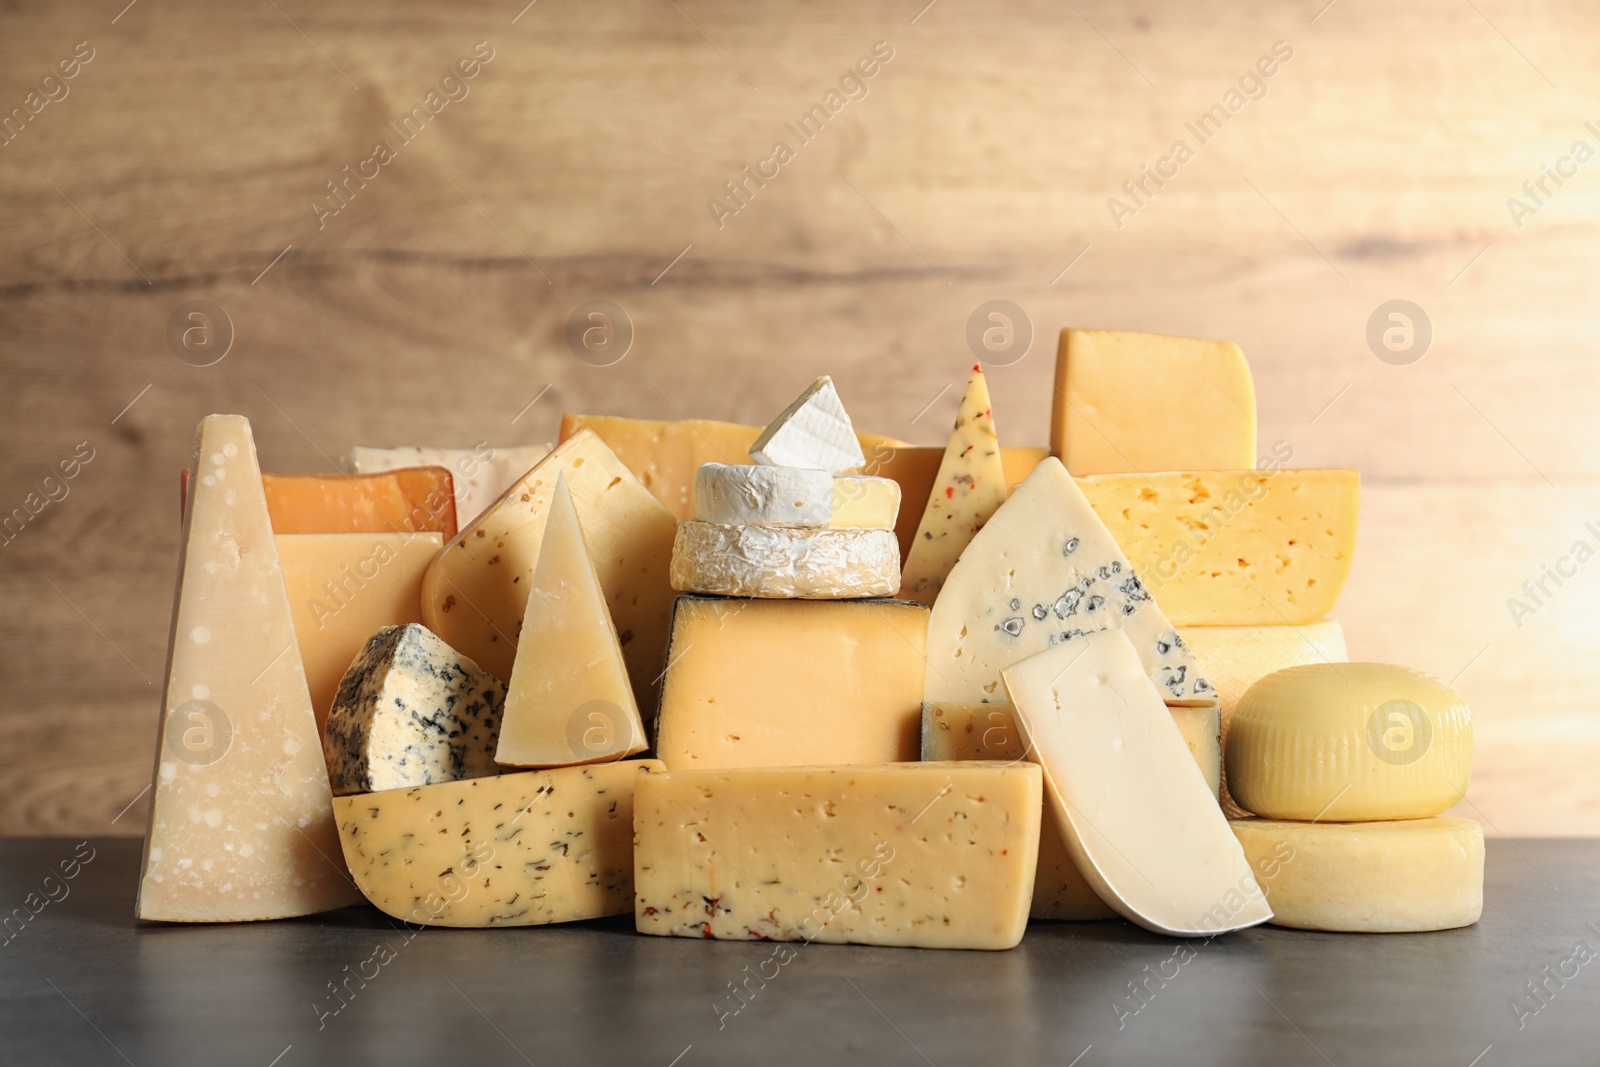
column 411, row 711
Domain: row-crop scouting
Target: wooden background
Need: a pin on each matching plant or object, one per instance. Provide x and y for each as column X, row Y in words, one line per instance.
column 431, row 308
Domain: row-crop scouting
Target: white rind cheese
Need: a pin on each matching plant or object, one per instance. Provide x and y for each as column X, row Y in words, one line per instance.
column 480, row 474
column 824, row 563
column 865, row 502
column 813, row 432
column 411, row 711
column 732, row 494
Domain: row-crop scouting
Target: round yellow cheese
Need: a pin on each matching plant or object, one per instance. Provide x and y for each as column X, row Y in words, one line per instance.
column 1349, row 742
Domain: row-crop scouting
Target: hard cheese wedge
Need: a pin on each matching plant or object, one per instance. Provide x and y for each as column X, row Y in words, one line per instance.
column 930, row 855
column 476, row 592
column 414, row 500
column 514, row 850
column 1044, row 571
column 814, row 563
column 241, row 823
column 969, row 488
column 1368, row 877
column 480, row 474
column 1142, row 825
column 1128, row 402
column 1235, row 547
column 763, row 683
column 814, row 432
column 570, row 700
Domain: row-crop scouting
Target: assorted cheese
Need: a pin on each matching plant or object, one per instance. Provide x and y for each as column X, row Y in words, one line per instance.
column 480, row 474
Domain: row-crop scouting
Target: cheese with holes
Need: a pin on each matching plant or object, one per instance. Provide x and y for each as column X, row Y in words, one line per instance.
column 1349, row 742
column 475, row 594
column 1368, row 877
column 241, row 823
column 1045, row 571
column 913, row 468
column 520, row 849
column 813, row 563
column 479, row 474
column 968, row 489
column 342, row 589
column 1238, row 547
column 761, row 683
column 813, row 431
column 570, row 700
column 415, row 500
column 770, row 496
column 1141, row 825
column 411, row 711
column 1129, row 402
column 928, row 855
column 864, row 502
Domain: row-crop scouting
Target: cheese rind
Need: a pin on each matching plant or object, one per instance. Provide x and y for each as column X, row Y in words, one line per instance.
column 864, row 502
column 814, row 431
column 813, row 563
column 480, row 474
column 1370, row 877
column 731, row 494
column 414, row 500
column 519, row 849
column 929, row 855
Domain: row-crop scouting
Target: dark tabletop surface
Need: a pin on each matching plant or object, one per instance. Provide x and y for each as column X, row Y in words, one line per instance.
column 82, row 983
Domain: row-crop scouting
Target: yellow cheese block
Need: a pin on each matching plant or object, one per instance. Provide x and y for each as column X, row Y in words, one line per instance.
column 916, row 466
column 1129, row 402
column 508, row 850
column 1201, row 728
column 1235, row 547
column 1368, row 877
column 763, row 683
column 1349, row 742
column 930, row 855
column 864, row 502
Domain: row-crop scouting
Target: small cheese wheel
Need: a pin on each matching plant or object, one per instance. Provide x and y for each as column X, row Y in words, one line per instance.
column 823, row 563
column 1349, row 742
column 732, row 494
column 1404, row 876
column 865, row 502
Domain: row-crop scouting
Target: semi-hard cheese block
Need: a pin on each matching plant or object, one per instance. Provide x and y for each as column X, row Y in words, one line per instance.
column 343, row 588
column 1129, row 402
column 413, row 500
column 732, row 494
column 1349, row 742
column 929, row 855
column 914, row 467
column 1201, row 729
column 411, row 711
column 480, row 473
column 1044, row 571
column 813, row 563
column 241, row 823
column 1142, row 826
column 570, row 700
column 864, row 502
column 1236, row 547
column 518, row 849
column 814, row 431
column 970, row 487
column 763, row 683
column 475, row 594
column 1368, row 877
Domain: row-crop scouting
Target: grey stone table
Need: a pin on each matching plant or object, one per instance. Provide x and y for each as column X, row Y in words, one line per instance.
column 82, row 983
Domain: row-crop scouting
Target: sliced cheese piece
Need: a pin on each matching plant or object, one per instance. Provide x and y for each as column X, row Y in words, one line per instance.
column 969, row 488
column 929, row 855
column 1349, row 742
column 770, row 496
column 814, row 563
column 1368, row 877
column 915, row 466
column 1127, row 402
column 514, row 850
column 1236, row 547
column 1142, row 826
column 1201, row 728
column 480, row 474
column 570, row 700
column 414, row 500
column 1045, row 571
column 813, row 431
column 342, row 589
column 762, row 683
column 476, row 592
column 864, row 502
column 241, row 823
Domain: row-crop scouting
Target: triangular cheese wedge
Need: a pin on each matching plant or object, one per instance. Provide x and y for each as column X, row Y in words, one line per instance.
column 970, row 486
column 241, row 816
column 570, row 700
column 813, row 432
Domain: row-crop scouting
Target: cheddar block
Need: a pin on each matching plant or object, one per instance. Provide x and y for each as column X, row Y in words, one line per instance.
column 414, row 500
column 1368, row 877
column 480, row 474
column 475, row 595
column 570, row 699
column 763, row 683
column 1141, row 825
column 1237, row 547
column 343, row 588
column 731, row 494
column 914, row 468
column 927, row 855
column 1349, row 742
column 519, row 849
column 241, row 821
column 814, row 431
column 1129, row 402
column 813, row 563
column 863, row 502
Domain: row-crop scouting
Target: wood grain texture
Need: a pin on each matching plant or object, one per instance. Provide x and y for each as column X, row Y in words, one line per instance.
column 432, row 307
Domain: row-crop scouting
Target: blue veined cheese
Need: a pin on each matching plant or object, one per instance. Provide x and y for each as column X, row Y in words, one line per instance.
column 411, row 711
column 813, row 432
column 785, row 562
column 731, row 494
column 1045, row 570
